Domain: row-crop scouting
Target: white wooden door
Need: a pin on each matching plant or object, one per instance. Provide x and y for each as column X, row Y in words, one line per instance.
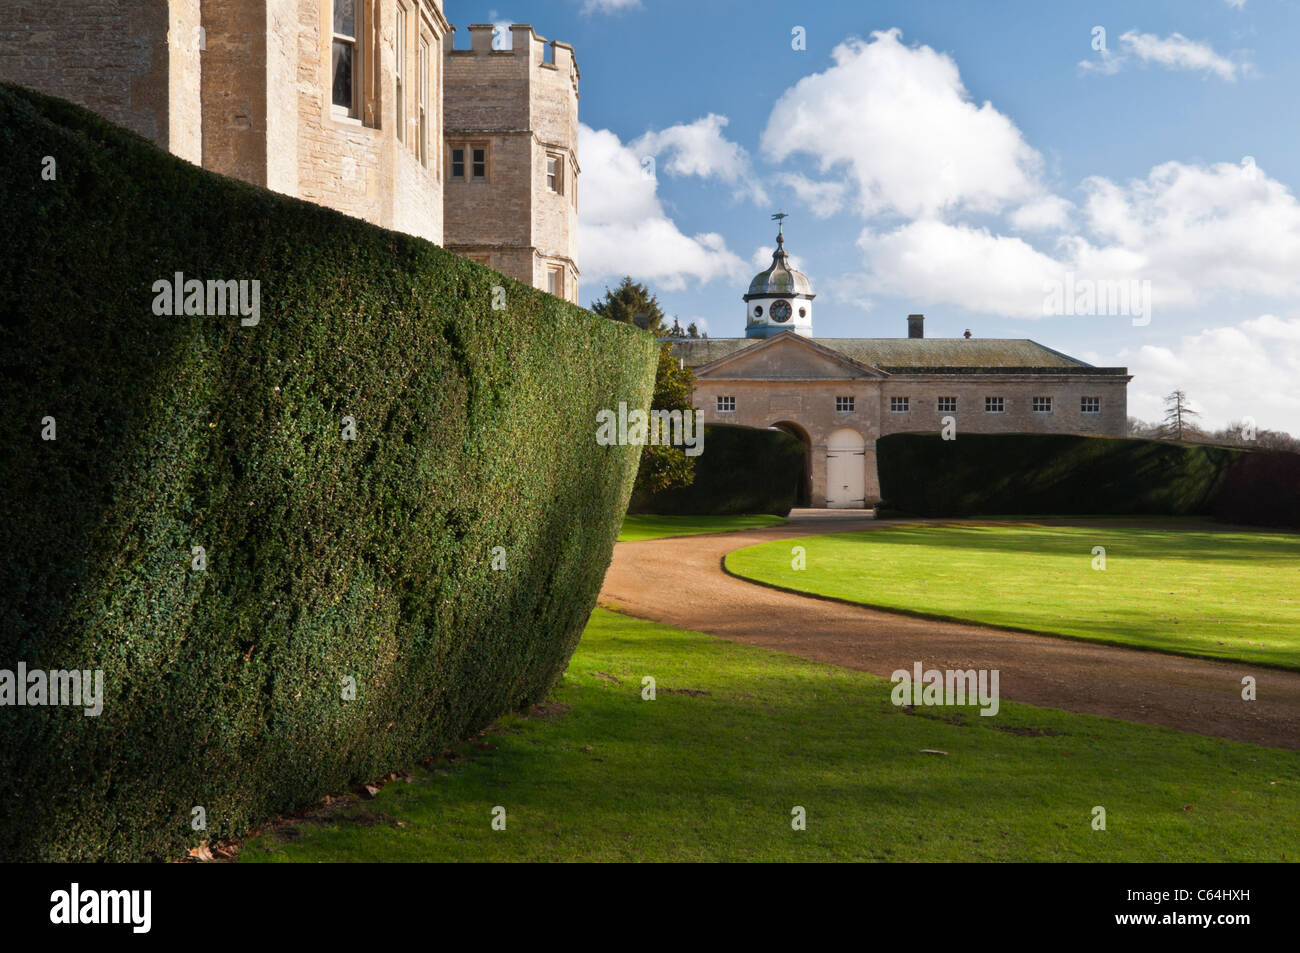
column 846, row 470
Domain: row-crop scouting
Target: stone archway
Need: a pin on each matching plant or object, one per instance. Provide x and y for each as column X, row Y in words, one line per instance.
column 803, row 497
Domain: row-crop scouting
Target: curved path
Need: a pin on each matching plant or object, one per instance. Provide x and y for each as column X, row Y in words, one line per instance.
column 680, row 582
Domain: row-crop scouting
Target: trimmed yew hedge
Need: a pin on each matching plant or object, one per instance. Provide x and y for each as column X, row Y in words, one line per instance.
column 326, row 559
column 1056, row 474
column 742, row 470
column 1263, row 489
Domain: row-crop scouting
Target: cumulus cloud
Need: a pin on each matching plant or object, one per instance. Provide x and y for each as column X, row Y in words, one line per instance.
column 700, row 149
column 1193, row 227
column 1175, row 52
column 609, row 6
column 899, row 120
column 624, row 230
column 1192, row 231
column 960, row 265
column 823, row 199
column 1229, row 372
column 1045, row 213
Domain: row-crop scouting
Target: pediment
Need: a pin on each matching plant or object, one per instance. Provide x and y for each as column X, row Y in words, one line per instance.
column 787, row 356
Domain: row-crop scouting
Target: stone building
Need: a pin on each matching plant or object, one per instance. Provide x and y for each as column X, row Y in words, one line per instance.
column 363, row 106
column 838, row 395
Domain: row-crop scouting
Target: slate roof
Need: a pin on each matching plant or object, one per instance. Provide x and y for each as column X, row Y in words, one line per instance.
column 912, row 355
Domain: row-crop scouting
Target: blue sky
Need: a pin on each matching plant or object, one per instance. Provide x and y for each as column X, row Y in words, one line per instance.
column 965, row 160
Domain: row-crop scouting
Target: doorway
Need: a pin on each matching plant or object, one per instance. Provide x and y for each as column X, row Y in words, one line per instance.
column 846, row 470
column 803, row 494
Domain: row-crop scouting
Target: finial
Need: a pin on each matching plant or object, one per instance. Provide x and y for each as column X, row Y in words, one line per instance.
column 780, row 218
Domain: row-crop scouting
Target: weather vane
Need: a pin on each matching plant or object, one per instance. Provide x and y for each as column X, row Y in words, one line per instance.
column 780, row 218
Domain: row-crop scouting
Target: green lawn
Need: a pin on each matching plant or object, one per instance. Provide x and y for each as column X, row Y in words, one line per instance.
column 738, row 736
column 636, row 527
column 1231, row 595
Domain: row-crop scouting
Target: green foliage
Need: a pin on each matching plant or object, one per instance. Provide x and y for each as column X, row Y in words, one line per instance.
column 629, row 299
column 327, row 559
column 1057, row 474
column 742, row 470
column 664, row 467
column 1263, row 489
column 1048, row 474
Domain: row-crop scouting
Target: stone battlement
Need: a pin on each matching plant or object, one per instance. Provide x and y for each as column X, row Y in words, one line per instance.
column 525, row 44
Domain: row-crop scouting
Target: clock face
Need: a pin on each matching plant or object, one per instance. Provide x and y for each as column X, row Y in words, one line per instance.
column 781, row 311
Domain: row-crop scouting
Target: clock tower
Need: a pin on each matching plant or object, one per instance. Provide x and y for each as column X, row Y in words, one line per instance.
column 780, row 298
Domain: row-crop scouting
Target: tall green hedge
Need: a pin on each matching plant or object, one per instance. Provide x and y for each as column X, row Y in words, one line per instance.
column 374, row 559
column 1053, row 474
column 742, row 470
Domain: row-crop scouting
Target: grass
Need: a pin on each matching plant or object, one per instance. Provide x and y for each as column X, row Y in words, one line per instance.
column 738, row 736
column 1194, row 591
column 638, row 527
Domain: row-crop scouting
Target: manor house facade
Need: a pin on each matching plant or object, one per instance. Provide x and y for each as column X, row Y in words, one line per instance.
column 838, row 395
column 363, row 106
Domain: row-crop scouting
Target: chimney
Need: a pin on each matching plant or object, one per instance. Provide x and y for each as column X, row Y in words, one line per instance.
column 916, row 325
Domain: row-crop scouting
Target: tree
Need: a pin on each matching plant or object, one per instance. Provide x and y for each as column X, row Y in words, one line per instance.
column 661, row 467
column 628, row 300
column 665, row 467
column 693, row 331
column 1177, row 416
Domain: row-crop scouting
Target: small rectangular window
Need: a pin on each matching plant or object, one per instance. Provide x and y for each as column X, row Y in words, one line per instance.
column 994, row 405
column 480, row 162
column 555, row 174
column 1090, row 405
column 458, row 163
column 424, row 102
column 555, row 281
column 844, row 405
column 1042, row 405
column 344, row 65
column 726, row 405
column 947, row 405
column 898, row 405
column 399, row 51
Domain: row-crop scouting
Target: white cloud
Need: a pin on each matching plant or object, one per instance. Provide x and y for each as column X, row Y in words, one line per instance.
column 1042, row 214
column 900, row 121
column 609, row 6
column 1175, row 52
column 1192, row 231
column 1197, row 228
column 623, row 229
column 823, row 199
column 933, row 262
column 1229, row 372
column 700, row 149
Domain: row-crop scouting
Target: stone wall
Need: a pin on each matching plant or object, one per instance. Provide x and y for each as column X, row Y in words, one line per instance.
column 364, row 170
column 115, row 57
column 255, row 104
